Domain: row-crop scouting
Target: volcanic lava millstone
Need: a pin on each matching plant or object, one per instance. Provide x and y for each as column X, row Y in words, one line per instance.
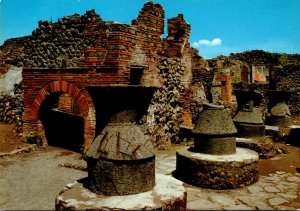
column 214, row 132
column 214, row 161
column 121, row 160
column 248, row 119
column 279, row 112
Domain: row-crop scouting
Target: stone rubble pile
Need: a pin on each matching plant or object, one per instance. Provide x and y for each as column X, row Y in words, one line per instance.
column 165, row 110
column 11, row 107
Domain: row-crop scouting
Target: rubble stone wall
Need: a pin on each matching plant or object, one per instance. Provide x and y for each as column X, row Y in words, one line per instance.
column 291, row 82
column 11, row 107
column 60, row 44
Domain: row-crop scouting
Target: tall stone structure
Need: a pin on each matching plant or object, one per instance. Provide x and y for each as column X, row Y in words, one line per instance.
column 85, row 57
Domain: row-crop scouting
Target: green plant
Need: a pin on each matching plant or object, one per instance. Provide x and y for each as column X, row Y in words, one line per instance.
column 33, row 138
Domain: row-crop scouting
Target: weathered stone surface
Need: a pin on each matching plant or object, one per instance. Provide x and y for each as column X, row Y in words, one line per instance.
column 280, row 110
column 121, row 159
column 254, row 189
column 168, row 193
column 264, row 146
column 238, row 207
column 248, row 117
column 271, row 189
column 11, row 107
column 203, row 204
column 217, row 171
column 215, row 146
column 293, row 179
column 214, row 120
column 277, row 201
column 222, row 200
column 114, row 178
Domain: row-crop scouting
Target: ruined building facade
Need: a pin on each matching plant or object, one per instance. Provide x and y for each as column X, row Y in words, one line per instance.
column 89, row 69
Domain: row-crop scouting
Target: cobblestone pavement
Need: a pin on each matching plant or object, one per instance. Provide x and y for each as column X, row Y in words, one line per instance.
column 276, row 191
column 33, row 180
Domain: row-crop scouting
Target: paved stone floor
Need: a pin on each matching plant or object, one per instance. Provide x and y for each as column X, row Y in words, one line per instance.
column 21, row 177
column 277, row 191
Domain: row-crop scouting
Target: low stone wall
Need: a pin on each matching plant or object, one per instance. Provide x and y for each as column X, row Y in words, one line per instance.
column 11, row 108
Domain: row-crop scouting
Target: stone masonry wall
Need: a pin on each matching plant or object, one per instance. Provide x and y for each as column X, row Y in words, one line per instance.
column 60, row 44
column 77, row 52
column 11, row 107
column 291, row 82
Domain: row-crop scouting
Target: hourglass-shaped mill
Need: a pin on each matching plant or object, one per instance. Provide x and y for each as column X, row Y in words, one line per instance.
column 248, row 119
column 121, row 173
column 215, row 161
column 279, row 113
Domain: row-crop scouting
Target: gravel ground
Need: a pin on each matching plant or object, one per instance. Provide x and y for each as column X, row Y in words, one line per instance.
column 31, row 181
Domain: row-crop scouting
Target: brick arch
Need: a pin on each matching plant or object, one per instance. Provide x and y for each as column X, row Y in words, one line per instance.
column 81, row 97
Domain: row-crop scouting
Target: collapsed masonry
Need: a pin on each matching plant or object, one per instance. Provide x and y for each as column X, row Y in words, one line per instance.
column 82, row 69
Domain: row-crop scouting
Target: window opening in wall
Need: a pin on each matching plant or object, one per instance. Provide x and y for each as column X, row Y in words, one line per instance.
column 136, row 75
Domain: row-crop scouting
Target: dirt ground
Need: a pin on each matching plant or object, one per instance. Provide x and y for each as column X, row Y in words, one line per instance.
column 9, row 140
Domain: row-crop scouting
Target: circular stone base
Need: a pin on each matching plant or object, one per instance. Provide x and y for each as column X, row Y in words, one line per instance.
column 168, row 193
column 119, row 177
column 215, row 146
column 279, row 121
column 217, row 171
column 249, row 130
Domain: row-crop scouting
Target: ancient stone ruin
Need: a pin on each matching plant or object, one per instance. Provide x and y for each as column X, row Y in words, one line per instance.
column 121, row 163
column 117, row 154
column 73, row 67
column 248, row 119
column 279, row 113
column 214, row 161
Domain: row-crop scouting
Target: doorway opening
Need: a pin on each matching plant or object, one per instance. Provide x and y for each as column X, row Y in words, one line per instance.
column 62, row 121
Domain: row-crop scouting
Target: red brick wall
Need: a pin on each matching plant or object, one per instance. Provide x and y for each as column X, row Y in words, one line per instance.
column 65, row 103
column 38, row 86
column 116, row 44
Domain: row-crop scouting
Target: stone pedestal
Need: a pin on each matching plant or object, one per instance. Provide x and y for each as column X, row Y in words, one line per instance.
column 214, row 161
column 217, row 171
column 168, row 194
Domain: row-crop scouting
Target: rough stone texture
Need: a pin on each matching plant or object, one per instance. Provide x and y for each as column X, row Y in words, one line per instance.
column 279, row 121
column 249, row 130
column 217, row 171
column 248, row 119
column 288, row 79
column 121, row 159
column 10, row 53
column 112, row 178
column 11, row 107
column 214, row 121
column 84, row 51
column 168, row 194
column 264, row 146
column 215, row 146
column 213, row 132
column 60, row 44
